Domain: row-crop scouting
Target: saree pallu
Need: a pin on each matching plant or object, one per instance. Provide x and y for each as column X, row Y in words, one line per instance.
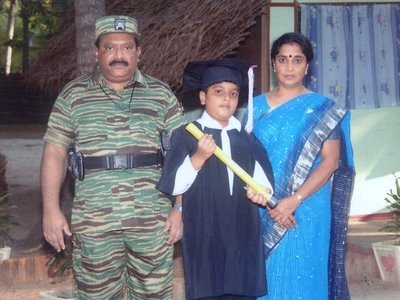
column 307, row 262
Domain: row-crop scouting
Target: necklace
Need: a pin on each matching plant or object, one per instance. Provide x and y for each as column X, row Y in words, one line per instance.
column 116, row 103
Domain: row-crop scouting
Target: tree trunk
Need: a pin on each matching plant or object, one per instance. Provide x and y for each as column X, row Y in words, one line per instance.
column 10, row 32
column 26, row 37
column 86, row 13
column 1, row 10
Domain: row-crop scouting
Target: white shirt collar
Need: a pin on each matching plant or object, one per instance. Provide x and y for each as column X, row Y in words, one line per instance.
column 207, row 121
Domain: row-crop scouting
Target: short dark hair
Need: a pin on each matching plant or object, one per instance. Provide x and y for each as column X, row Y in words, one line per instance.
column 97, row 42
column 289, row 38
column 205, row 89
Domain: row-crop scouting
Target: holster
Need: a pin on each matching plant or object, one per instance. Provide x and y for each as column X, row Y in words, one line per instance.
column 75, row 163
column 165, row 142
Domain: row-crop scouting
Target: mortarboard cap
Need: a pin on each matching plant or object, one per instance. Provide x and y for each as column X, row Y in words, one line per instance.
column 116, row 24
column 199, row 75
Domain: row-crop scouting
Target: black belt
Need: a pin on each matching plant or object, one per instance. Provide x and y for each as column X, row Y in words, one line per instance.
column 122, row 161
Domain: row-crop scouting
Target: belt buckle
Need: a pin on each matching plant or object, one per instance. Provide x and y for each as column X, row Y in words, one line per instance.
column 120, row 161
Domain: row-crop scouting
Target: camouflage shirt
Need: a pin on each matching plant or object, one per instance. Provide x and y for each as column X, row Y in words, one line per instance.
column 101, row 121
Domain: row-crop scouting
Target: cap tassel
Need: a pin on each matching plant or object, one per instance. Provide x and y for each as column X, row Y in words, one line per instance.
column 249, row 123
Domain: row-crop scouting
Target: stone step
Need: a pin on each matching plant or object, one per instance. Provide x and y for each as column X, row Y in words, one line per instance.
column 361, row 265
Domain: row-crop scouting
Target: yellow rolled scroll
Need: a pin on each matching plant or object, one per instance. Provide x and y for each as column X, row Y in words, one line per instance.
column 197, row 133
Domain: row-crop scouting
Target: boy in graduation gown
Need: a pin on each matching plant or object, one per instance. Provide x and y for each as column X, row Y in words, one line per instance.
column 222, row 240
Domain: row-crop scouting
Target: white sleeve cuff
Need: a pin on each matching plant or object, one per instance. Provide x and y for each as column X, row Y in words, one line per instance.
column 261, row 177
column 185, row 176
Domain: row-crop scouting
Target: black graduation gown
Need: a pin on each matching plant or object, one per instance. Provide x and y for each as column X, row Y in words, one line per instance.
column 222, row 240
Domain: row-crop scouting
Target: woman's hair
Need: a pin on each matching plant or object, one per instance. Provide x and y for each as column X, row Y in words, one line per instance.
column 290, row 38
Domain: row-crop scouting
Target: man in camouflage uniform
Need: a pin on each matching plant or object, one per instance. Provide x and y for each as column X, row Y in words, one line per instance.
column 122, row 228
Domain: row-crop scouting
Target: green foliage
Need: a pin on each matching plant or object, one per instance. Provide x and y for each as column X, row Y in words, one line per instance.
column 393, row 203
column 61, row 262
column 5, row 218
column 43, row 17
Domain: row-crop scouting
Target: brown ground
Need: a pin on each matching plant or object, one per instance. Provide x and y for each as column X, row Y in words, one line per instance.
column 22, row 147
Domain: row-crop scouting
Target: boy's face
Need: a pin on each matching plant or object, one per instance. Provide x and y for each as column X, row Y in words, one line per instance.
column 220, row 100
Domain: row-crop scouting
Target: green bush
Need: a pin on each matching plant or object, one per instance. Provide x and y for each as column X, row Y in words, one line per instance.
column 393, row 203
column 5, row 219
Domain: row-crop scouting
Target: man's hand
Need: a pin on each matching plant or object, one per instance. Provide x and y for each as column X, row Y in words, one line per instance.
column 55, row 225
column 52, row 173
column 174, row 226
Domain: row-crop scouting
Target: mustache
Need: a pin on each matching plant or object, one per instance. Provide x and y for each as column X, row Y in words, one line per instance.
column 118, row 62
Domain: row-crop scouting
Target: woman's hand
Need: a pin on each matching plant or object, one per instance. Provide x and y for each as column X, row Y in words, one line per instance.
column 283, row 213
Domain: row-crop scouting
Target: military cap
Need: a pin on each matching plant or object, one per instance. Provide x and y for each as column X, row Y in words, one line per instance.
column 116, row 24
column 199, row 75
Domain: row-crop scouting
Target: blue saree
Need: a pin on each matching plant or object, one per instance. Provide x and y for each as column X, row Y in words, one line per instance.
column 306, row 262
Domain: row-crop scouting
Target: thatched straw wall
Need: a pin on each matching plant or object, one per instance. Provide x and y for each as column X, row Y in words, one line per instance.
column 173, row 33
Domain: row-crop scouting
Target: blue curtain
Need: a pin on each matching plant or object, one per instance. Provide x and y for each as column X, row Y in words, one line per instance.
column 357, row 49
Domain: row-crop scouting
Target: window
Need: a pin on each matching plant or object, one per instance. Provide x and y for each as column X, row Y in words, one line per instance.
column 357, row 49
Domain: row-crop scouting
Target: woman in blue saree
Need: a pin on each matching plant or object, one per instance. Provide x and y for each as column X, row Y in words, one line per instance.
column 308, row 143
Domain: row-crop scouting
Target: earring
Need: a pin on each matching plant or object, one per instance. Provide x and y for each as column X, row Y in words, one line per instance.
column 273, row 67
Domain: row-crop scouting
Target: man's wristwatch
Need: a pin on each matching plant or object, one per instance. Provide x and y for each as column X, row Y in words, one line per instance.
column 178, row 207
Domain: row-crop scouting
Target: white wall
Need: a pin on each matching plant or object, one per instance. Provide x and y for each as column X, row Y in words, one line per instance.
column 376, row 143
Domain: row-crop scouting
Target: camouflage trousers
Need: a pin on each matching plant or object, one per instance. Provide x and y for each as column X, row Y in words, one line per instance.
column 109, row 264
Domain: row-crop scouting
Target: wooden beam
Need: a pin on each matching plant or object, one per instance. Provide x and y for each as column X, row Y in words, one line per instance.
column 265, row 52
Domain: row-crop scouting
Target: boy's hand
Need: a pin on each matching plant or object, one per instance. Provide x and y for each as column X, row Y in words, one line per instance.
column 257, row 198
column 205, row 148
column 174, row 227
